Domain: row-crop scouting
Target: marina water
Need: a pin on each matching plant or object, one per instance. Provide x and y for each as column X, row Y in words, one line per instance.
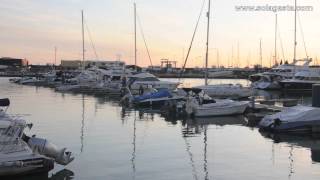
column 111, row 142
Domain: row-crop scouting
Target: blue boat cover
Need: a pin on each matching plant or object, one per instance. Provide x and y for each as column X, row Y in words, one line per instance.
column 160, row 94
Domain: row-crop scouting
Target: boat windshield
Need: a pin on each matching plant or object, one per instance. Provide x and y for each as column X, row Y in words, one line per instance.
column 116, row 78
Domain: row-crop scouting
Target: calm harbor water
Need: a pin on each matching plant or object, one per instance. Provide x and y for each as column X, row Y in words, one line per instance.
column 111, row 142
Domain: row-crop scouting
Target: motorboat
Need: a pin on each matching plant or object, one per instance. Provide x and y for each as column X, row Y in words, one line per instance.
column 292, row 119
column 154, row 98
column 147, row 80
column 21, row 154
column 267, row 82
column 302, row 81
column 30, row 81
column 270, row 80
column 85, row 80
column 53, row 78
column 201, row 105
column 233, row 91
column 110, row 81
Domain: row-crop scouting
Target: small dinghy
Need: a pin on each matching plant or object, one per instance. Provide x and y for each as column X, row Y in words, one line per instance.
column 293, row 119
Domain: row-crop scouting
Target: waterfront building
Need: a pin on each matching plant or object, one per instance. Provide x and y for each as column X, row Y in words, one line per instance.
column 13, row 62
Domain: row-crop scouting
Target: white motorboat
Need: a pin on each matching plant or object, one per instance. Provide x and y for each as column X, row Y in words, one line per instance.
column 201, row 105
column 85, row 80
column 147, row 80
column 30, row 81
column 21, row 154
column 270, row 79
column 226, row 90
column 302, row 81
column 292, row 119
column 267, row 83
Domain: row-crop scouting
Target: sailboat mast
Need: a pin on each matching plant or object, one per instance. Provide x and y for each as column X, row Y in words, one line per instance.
column 295, row 31
column 207, row 44
column 238, row 55
column 55, row 57
column 275, row 38
column 260, row 52
column 135, row 34
column 218, row 63
column 82, row 39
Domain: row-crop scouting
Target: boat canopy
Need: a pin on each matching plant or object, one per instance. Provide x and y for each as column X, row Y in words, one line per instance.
column 159, row 94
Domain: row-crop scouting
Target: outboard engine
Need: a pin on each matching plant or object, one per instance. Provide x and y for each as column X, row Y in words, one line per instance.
column 191, row 104
column 46, row 148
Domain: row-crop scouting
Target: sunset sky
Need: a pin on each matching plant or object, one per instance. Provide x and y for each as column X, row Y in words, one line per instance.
column 32, row 28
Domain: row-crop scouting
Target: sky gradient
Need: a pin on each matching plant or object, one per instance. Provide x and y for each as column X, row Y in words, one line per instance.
column 32, row 28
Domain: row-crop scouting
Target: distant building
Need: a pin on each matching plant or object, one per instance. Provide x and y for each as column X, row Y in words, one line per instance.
column 76, row 64
column 73, row 64
column 13, row 62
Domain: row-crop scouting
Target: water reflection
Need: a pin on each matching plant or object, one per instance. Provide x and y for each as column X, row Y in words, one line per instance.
column 82, row 124
column 311, row 142
column 192, row 162
column 205, row 161
column 197, row 125
column 123, row 142
column 133, row 158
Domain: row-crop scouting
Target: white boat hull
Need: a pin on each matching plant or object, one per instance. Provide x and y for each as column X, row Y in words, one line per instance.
column 266, row 85
column 220, row 109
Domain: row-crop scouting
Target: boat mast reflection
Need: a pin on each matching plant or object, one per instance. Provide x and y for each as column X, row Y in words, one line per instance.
column 308, row 141
column 188, row 149
column 205, row 164
column 133, row 158
column 197, row 126
column 291, row 162
column 82, row 124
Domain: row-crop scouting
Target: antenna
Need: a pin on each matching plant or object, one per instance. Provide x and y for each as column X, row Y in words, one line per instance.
column 55, row 56
column 232, row 62
column 238, row 59
column 218, row 63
